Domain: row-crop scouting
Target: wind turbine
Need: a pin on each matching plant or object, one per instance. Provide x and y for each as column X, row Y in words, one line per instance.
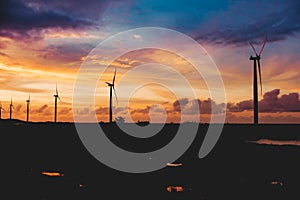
column 111, row 88
column 27, row 111
column 55, row 103
column 11, row 106
column 256, row 64
column 1, row 109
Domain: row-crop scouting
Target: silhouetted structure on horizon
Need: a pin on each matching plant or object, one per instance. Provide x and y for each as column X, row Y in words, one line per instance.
column 55, row 104
column 27, row 111
column 111, row 87
column 256, row 63
column 11, row 106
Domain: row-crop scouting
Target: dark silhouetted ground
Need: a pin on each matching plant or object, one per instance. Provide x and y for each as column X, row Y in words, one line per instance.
column 235, row 169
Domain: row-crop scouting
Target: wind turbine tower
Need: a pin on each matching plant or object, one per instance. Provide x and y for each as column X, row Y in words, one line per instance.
column 55, row 104
column 27, row 111
column 11, row 106
column 111, row 88
column 256, row 64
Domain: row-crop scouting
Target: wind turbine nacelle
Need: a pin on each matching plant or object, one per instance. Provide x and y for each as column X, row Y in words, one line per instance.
column 254, row 57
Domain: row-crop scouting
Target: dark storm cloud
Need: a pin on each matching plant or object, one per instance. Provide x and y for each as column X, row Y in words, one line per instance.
column 215, row 21
column 270, row 103
column 18, row 18
column 245, row 21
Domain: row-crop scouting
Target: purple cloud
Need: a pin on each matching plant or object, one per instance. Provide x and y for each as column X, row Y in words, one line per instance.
column 270, row 103
column 24, row 20
column 245, row 21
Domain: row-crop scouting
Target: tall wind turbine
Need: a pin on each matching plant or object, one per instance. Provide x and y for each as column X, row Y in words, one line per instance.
column 55, row 103
column 11, row 106
column 1, row 110
column 256, row 64
column 27, row 111
column 111, row 88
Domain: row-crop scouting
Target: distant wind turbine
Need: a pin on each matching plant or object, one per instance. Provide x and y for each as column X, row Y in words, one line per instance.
column 256, row 63
column 11, row 106
column 1, row 108
column 55, row 103
column 112, row 87
column 27, row 111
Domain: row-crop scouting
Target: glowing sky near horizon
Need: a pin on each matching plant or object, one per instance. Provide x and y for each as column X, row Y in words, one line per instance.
column 44, row 43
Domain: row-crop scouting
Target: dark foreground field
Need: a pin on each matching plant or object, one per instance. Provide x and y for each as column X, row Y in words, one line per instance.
column 235, row 169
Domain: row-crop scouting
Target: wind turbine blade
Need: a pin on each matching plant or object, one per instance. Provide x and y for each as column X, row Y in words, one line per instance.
column 115, row 94
column 58, row 98
column 262, row 48
column 56, row 90
column 107, row 83
column 113, row 82
column 253, row 48
column 259, row 71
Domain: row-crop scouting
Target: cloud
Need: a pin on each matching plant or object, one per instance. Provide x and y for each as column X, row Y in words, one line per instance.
column 245, row 21
column 195, row 106
column 18, row 107
column 120, row 110
column 140, row 110
column 270, row 103
column 116, row 110
column 240, row 106
column 102, row 110
column 83, row 111
column 3, row 54
column 64, row 111
column 66, row 52
column 21, row 19
column 180, row 102
column 41, row 109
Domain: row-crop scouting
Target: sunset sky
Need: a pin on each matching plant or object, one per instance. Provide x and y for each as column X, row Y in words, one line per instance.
column 44, row 43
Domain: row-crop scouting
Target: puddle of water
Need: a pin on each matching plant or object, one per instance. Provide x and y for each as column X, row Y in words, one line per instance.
column 276, row 142
column 175, row 189
column 174, row 164
column 277, row 183
column 52, row 174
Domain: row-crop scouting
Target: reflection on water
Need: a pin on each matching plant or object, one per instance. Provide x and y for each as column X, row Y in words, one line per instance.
column 175, row 189
column 55, row 174
column 276, row 142
column 174, row 164
column 277, row 183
